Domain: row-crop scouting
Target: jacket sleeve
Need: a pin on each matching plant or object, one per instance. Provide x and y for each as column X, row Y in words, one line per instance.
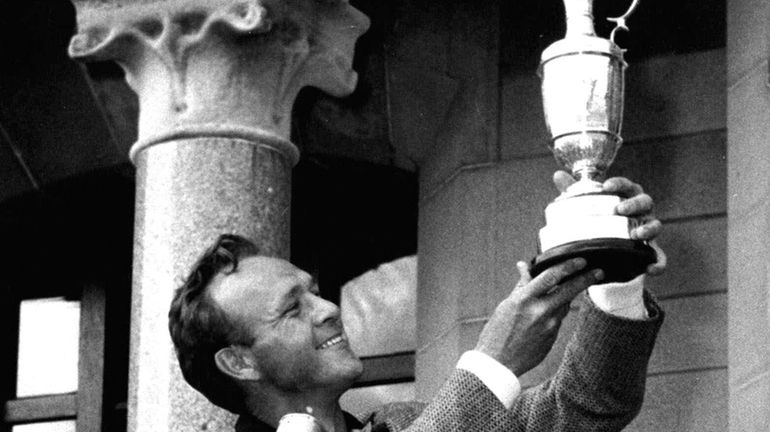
column 598, row 387
column 464, row 403
column 600, row 383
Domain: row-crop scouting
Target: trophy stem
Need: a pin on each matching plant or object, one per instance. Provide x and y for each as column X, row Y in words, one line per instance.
column 589, row 180
column 587, row 173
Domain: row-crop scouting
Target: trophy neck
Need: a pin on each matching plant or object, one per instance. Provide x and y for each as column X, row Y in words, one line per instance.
column 580, row 18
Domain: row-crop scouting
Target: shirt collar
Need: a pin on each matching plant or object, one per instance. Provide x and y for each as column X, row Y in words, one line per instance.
column 249, row 423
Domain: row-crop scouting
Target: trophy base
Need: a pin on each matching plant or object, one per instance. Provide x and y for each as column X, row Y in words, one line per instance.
column 621, row 259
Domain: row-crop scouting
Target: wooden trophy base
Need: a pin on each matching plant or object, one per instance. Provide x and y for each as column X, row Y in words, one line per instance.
column 621, row 259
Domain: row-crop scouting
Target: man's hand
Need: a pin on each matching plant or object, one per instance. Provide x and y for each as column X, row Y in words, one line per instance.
column 637, row 205
column 524, row 326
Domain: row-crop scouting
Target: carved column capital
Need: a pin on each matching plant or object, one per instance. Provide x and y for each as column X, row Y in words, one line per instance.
column 224, row 68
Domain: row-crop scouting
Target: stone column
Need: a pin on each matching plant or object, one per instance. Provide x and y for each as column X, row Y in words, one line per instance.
column 216, row 81
column 748, row 214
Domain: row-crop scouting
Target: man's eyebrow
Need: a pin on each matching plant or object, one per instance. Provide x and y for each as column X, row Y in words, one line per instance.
column 295, row 291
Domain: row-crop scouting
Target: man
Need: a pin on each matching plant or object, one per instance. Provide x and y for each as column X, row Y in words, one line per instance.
column 254, row 337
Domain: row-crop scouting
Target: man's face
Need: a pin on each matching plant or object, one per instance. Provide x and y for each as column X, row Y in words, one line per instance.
column 299, row 341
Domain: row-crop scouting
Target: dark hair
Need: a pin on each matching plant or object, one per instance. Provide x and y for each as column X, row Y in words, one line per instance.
column 199, row 328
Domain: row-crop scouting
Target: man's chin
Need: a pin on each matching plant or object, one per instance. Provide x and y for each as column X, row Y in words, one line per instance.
column 354, row 371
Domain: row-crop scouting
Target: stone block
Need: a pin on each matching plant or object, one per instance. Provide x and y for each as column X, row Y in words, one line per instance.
column 675, row 95
column 435, row 361
column 749, row 405
column 474, row 37
column 686, row 176
column 523, row 132
column 522, row 190
column 421, row 33
column 456, row 243
column 746, row 37
column 693, row 335
column 437, row 278
column 466, row 138
column 686, row 402
column 748, row 135
column 697, row 255
column 749, row 295
column 419, row 100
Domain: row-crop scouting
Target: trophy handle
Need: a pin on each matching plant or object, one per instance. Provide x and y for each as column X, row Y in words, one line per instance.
column 620, row 22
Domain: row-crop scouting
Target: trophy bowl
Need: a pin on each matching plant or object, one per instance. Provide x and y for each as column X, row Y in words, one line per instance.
column 583, row 88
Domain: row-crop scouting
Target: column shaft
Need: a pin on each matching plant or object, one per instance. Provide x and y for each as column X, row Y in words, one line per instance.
column 188, row 192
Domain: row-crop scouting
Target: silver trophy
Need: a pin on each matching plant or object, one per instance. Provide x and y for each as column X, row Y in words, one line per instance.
column 583, row 88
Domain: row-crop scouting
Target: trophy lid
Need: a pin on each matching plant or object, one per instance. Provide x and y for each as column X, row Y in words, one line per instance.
column 581, row 37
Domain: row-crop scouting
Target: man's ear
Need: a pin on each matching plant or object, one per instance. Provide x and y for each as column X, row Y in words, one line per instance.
column 237, row 362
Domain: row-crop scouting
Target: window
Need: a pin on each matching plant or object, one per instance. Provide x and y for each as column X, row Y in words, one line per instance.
column 60, row 368
column 48, row 347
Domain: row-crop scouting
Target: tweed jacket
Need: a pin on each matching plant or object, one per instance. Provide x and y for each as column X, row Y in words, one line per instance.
column 599, row 386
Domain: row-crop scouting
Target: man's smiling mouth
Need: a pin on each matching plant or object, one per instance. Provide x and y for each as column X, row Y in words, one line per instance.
column 336, row 340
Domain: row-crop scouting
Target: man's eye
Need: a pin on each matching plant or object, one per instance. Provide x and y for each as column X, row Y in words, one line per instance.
column 293, row 307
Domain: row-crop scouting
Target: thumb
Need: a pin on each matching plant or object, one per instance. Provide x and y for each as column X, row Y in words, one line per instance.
column 659, row 266
column 562, row 180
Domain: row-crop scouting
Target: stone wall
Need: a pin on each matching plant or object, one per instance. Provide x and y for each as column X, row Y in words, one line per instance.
column 748, row 102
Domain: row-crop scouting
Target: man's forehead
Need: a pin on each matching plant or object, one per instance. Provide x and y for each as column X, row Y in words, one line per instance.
column 256, row 275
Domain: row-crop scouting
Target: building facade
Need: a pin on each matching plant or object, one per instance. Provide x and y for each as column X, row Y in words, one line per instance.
column 440, row 150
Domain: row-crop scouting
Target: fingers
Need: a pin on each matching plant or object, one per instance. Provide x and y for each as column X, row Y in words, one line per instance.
column 638, row 205
column 659, row 266
column 562, row 180
column 647, row 231
column 622, row 186
column 547, row 280
column 570, row 289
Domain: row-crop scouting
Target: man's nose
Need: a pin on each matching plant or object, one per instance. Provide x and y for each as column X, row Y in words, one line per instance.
column 325, row 312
